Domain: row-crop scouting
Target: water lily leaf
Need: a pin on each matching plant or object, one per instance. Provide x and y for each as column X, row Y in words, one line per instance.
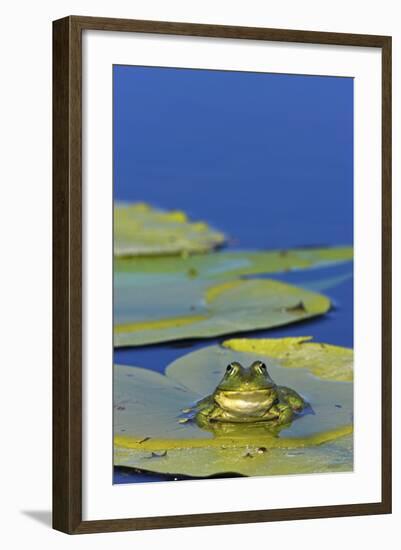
column 140, row 230
column 331, row 398
column 227, row 264
column 150, row 403
column 201, row 309
column 153, row 433
column 164, row 298
column 323, row 360
column 246, row 459
column 325, row 283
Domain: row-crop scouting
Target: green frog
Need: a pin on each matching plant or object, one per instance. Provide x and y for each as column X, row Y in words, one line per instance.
column 248, row 395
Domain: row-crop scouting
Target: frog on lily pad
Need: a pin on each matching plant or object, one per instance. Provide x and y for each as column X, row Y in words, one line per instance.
column 248, row 395
column 152, row 434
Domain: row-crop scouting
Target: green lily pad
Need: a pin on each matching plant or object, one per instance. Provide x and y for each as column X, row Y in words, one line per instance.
column 245, row 460
column 201, row 371
column 140, row 230
column 199, row 309
column 227, row 264
column 148, row 403
column 152, row 306
column 323, row 360
column 151, row 432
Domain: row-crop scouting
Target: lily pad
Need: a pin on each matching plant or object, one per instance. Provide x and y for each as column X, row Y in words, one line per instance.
column 140, row 230
column 227, row 264
column 245, row 459
column 151, row 432
column 201, row 371
column 168, row 298
column 199, row 309
column 323, row 360
column 148, row 403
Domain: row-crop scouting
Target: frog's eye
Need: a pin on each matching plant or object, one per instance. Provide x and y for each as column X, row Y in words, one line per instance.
column 260, row 367
column 263, row 368
column 231, row 369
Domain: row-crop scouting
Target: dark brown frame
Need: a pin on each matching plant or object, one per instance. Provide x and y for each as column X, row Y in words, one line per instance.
column 67, row 275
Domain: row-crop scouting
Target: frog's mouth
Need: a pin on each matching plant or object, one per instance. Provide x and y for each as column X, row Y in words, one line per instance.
column 246, row 403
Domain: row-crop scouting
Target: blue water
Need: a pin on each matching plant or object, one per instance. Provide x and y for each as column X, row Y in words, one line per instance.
column 266, row 158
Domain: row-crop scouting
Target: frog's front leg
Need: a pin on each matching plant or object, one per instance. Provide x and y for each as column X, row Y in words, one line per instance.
column 198, row 406
column 285, row 413
column 207, row 411
column 281, row 413
column 292, row 398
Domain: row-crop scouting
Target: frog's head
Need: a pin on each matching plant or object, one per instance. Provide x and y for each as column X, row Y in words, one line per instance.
column 238, row 378
column 246, row 391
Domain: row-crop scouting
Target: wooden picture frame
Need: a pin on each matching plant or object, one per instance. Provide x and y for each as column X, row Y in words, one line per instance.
column 67, row 273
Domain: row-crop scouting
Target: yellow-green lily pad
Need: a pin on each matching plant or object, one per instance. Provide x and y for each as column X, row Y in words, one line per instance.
column 151, row 432
column 148, row 314
column 323, row 360
column 227, row 264
column 140, row 230
column 147, row 403
column 240, row 459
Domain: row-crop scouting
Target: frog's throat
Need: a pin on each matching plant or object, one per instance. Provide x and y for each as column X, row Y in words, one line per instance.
column 248, row 403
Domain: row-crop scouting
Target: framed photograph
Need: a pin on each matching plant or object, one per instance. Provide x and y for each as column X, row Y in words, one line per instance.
column 222, row 274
